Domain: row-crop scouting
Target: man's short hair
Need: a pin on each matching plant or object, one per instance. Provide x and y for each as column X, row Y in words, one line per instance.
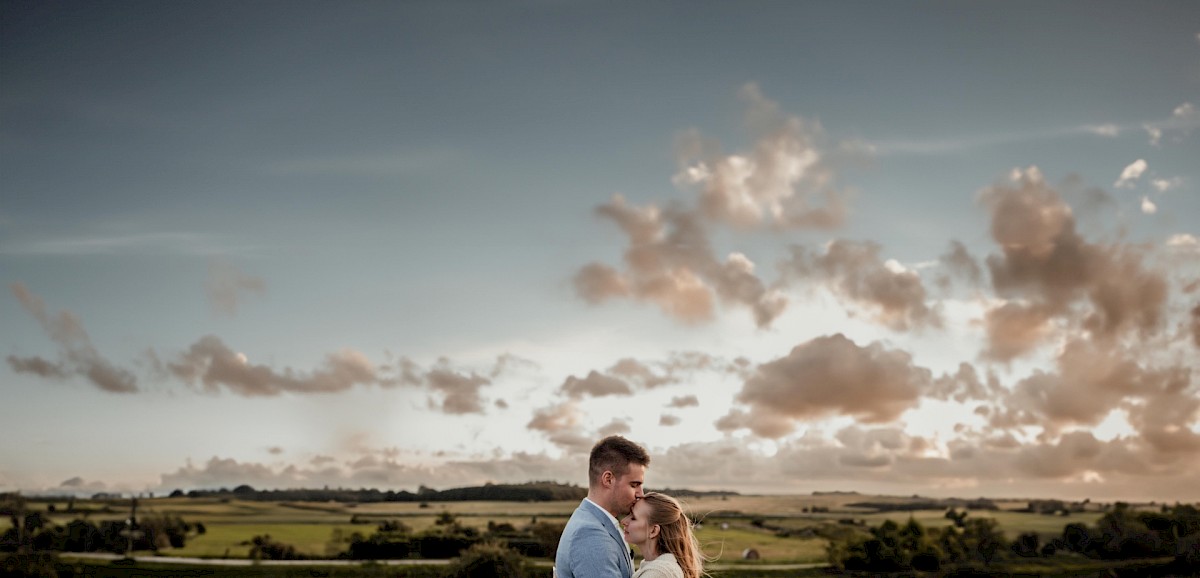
column 614, row 454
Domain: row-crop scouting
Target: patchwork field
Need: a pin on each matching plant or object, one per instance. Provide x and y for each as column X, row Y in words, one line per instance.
column 782, row 529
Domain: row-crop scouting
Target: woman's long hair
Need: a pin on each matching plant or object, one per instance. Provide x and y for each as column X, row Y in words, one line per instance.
column 675, row 533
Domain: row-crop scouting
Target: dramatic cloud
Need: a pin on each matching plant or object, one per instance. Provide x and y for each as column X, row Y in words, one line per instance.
column 671, row 264
column 958, row 261
column 670, row 261
column 213, row 365
column 1131, row 174
column 773, row 184
column 227, row 284
column 857, row 273
column 1047, row 270
column 78, row 355
column 828, row 376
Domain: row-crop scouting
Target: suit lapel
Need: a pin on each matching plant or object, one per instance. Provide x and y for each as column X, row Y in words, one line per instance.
column 614, row 533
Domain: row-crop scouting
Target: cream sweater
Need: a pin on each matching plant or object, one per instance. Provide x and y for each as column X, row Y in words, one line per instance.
column 664, row 566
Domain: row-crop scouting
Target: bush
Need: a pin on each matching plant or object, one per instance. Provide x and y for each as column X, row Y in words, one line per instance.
column 488, row 560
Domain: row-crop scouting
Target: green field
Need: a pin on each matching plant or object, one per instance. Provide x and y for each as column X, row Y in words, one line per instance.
column 728, row 531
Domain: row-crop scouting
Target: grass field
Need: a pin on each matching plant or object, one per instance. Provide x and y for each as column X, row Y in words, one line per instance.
column 309, row 527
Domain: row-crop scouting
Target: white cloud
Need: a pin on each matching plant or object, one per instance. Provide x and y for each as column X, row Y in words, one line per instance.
column 1109, row 130
column 1148, row 206
column 1164, row 185
column 1183, row 242
column 1132, row 173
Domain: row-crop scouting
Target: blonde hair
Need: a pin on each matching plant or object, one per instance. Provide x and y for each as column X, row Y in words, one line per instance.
column 675, row 533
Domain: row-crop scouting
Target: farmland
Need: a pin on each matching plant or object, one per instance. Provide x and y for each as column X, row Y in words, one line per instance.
column 780, row 528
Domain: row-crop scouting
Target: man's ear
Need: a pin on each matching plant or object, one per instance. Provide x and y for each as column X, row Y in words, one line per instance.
column 607, row 479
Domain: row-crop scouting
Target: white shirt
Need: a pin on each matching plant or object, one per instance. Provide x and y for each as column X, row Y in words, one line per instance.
column 611, row 518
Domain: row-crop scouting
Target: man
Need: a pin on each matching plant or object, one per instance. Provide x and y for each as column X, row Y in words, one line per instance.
column 592, row 545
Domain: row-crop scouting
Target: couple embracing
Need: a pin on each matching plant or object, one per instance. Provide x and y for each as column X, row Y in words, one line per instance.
column 594, row 543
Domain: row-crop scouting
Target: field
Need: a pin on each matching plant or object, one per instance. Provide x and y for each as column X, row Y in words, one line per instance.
column 732, row 525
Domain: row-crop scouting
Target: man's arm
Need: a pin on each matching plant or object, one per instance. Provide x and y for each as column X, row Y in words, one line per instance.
column 594, row 554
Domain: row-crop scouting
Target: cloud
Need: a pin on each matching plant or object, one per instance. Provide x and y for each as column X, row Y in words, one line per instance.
column 174, row 243
column 213, row 365
column 667, row 420
column 1050, row 271
column 1131, row 174
column 460, row 391
column 1148, row 206
column 227, row 284
column 1195, row 324
column 627, row 375
column 1015, row 328
column 614, row 427
column 562, row 425
column 684, row 401
column 1183, row 120
column 671, row 264
column 38, row 366
column 856, row 273
column 275, row 450
column 958, row 261
column 1164, row 185
column 829, row 375
column 785, row 182
column 596, row 385
column 78, row 355
column 775, row 183
column 1109, row 130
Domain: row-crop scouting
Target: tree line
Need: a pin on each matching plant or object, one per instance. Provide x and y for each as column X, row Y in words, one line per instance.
column 528, row 492
column 978, row 544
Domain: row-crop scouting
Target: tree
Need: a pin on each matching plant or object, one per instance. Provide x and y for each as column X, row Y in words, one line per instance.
column 487, row 560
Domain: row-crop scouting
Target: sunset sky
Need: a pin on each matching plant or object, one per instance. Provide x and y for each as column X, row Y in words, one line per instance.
column 947, row 248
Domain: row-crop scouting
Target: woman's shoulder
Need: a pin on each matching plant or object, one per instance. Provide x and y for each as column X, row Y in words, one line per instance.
column 664, row 566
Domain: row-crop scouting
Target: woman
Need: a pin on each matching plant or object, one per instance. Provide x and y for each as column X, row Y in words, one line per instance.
column 663, row 534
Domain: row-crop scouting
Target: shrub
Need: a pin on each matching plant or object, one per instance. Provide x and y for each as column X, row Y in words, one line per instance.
column 487, row 560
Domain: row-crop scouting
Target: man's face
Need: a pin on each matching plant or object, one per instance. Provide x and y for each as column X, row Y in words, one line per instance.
column 628, row 490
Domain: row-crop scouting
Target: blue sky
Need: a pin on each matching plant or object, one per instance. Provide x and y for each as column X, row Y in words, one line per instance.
column 923, row 247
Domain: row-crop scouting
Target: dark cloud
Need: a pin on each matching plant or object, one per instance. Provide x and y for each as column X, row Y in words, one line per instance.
column 38, row 366
column 78, row 355
column 829, row 376
column 460, row 391
column 959, row 262
column 684, row 401
column 1047, row 265
column 1195, row 324
column 227, row 284
column 669, row 420
column 855, row 272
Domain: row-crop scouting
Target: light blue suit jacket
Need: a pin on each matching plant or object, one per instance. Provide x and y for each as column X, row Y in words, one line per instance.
column 591, row 547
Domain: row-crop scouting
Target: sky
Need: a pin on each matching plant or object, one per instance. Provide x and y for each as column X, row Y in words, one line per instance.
column 936, row 248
